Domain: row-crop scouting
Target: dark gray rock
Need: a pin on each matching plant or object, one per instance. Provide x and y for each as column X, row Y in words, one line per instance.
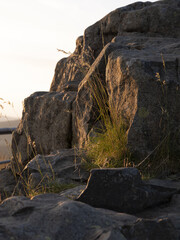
column 58, row 169
column 7, row 183
column 53, row 217
column 122, row 190
column 151, row 229
column 143, row 99
column 44, row 127
column 63, row 165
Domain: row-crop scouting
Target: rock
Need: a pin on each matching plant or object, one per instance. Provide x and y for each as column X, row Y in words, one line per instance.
column 169, row 210
column 173, row 182
column 159, row 19
column 122, row 190
column 70, row 71
column 135, row 61
column 51, row 216
column 129, row 75
column 73, row 193
column 7, row 183
column 44, row 127
column 85, row 112
column 63, row 167
column 139, row 96
column 150, row 229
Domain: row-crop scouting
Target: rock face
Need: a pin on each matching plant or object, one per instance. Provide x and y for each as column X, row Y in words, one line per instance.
column 45, row 125
column 134, row 51
column 122, row 190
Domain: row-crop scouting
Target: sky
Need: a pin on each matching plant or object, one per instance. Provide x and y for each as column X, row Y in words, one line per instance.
column 31, row 31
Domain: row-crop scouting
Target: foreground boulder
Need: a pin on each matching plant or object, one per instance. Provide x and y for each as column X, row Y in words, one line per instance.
column 51, row 216
column 122, row 190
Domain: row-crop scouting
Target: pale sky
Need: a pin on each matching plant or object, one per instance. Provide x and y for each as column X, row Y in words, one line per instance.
column 30, row 33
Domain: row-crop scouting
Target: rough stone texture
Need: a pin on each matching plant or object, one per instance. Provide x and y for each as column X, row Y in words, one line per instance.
column 122, row 190
column 159, row 19
column 150, row 229
column 130, row 67
column 148, row 103
column 51, row 216
column 170, row 211
column 63, row 167
column 123, row 50
column 85, row 112
column 126, row 50
column 7, row 183
column 45, row 125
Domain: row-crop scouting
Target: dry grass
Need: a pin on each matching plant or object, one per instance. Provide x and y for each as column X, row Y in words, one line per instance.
column 2, row 158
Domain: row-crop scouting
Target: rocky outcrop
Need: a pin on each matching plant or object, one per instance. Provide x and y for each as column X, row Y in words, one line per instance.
column 134, row 51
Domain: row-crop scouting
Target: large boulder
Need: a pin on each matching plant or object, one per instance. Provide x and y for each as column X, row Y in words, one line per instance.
column 141, row 77
column 143, row 85
column 122, row 190
column 45, row 126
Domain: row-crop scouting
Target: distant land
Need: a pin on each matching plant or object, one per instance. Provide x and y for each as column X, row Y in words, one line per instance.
column 5, row 140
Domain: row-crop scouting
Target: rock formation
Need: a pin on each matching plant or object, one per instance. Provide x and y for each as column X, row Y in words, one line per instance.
column 134, row 52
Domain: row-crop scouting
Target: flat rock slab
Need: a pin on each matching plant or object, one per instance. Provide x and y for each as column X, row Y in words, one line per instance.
column 122, row 190
column 51, row 216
